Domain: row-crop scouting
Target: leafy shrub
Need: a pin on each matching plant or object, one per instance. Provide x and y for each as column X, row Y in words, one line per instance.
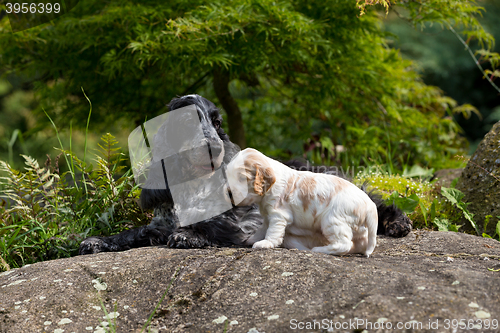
column 417, row 198
column 427, row 204
column 45, row 214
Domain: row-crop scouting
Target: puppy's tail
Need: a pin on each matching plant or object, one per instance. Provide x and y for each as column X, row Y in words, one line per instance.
column 371, row 223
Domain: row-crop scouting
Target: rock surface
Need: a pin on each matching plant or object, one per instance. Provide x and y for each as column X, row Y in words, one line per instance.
column 480, row 181
column 445, row 177
column 426, row 277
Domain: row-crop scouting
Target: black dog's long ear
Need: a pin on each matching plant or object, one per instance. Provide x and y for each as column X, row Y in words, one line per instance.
column 155, row 190
column 153, row 198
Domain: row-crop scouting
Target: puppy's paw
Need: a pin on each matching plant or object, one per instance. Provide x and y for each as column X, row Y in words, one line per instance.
column 263, row 244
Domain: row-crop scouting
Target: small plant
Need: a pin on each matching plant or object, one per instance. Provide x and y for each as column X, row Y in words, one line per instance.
column 455, row 197
column 406, row 204
column 443, row 224
column 112, row 326
column 497, row 229
column 146, row 325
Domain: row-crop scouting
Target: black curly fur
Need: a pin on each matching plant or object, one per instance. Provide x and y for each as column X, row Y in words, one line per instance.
column 231, row 228
column 391, row 220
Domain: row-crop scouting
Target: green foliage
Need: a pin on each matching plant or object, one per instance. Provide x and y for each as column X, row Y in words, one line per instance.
column 448, row 13
column 406, row 204
column 15, row 122
column 426, row 204
column 497, row 229
column 407, row 194
column 302, row 72
column 22, row 133
column 45, row 213
column 423, row 202
column 445, row 62
column 444, row 224
column 455, row 197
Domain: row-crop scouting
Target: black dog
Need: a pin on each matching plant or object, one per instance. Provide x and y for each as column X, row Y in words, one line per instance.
column 232, row 227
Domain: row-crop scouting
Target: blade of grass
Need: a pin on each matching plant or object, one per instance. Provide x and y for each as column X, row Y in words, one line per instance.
column 474, row 58
column 62, row 148
column 161, row 300
column 70, row 146
column 106, row 315
column 10, row 145
column 86, row 137
column 5, row 266
column 424, row 212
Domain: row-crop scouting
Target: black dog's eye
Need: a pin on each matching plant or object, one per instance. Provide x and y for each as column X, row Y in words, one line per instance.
column 217, row 123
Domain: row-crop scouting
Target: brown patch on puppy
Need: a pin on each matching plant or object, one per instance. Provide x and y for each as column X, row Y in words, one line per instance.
column 313, row 213
column 306, row 194
column 355, row 211
column 261, row 172
column 339, row 184
column 325, row 199
column 290, row 188
column 361, row 212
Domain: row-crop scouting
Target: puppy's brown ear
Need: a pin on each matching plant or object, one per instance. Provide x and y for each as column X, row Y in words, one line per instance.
column 264, row 179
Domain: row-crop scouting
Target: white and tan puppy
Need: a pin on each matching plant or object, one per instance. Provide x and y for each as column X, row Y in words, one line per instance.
column 301, row 209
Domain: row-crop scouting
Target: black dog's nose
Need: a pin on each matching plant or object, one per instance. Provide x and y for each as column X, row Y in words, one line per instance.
column 216, row 149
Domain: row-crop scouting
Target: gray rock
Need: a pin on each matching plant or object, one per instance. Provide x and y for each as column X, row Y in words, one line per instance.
column 426, row 277
column 480, row 181
column 445, row 177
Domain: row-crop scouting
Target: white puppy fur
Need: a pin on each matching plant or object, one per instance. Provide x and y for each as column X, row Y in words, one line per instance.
column 301, row 209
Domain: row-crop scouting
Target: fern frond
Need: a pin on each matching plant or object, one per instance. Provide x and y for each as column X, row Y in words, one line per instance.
column 31, row 163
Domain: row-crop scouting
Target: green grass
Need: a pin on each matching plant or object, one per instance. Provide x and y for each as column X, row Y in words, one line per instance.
column 146, row 325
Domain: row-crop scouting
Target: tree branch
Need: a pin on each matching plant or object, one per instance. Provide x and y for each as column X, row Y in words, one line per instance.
column 474, row 57
column 234, row 119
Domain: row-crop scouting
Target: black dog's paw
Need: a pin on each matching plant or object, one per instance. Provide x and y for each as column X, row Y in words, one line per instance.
column 93, row 245
column 184, row 240
column 399, row 227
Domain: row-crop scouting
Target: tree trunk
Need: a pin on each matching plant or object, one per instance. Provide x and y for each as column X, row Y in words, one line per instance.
column 234, row 119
